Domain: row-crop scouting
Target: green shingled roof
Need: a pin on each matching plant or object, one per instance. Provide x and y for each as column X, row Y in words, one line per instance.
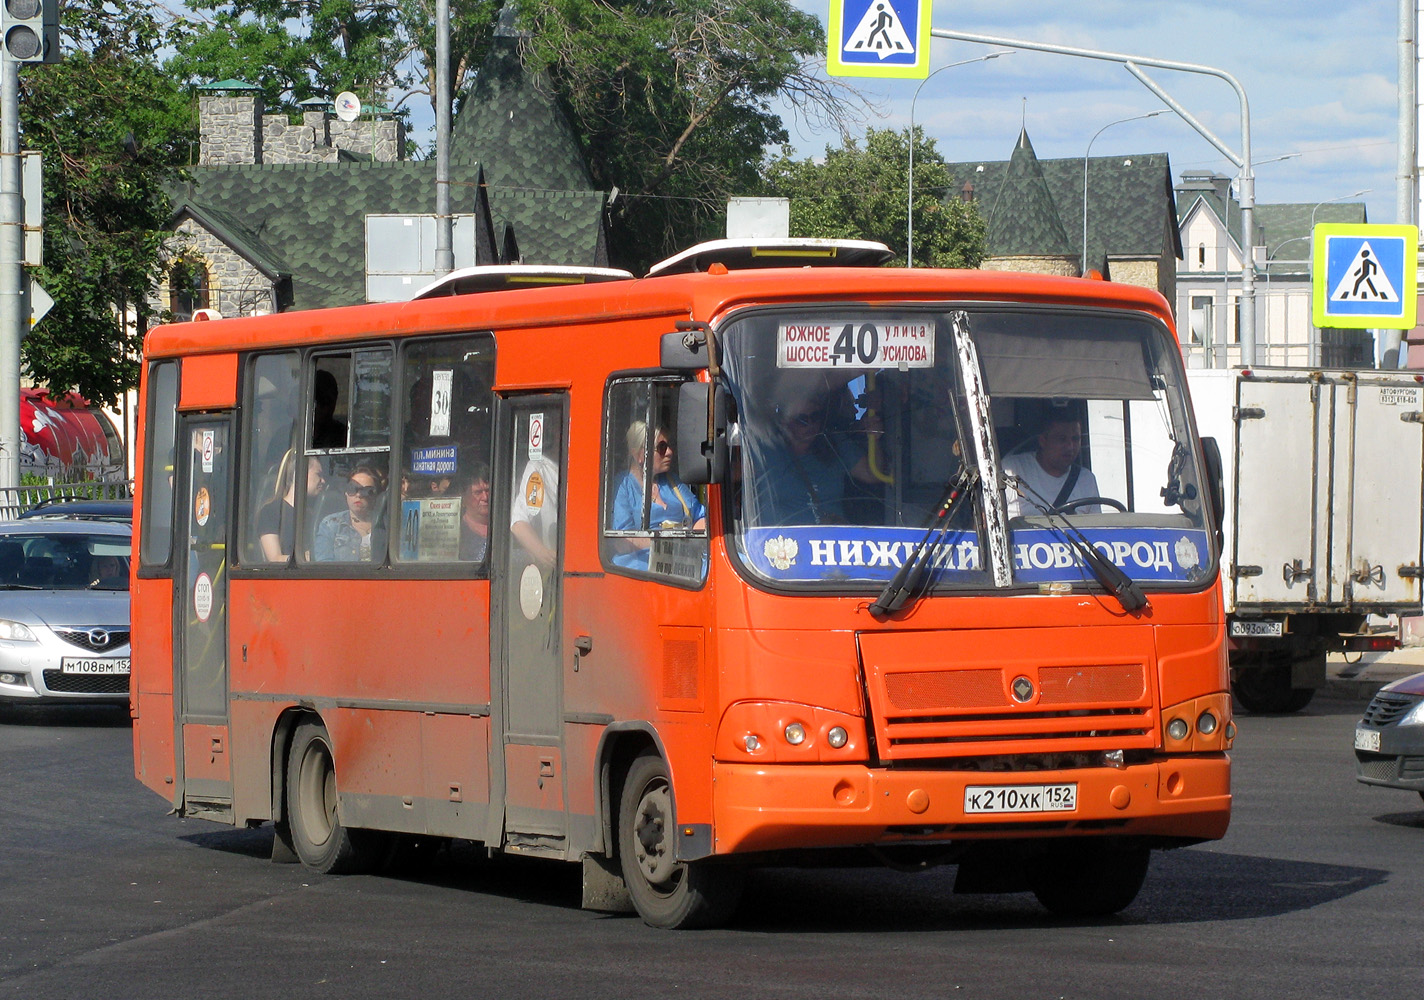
column 515, row 127
column 1035, row 207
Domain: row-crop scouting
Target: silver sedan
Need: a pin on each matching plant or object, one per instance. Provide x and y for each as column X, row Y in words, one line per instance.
column 64, row 611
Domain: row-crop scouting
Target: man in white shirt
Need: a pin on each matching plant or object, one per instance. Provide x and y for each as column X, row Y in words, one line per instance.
column 1052, row 472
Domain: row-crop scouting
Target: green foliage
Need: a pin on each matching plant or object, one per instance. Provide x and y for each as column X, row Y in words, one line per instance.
column 863, row 193
column 110, row 125
column 675, row 102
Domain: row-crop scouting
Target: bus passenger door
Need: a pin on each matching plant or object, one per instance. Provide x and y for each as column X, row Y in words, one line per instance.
column 201, row 673
column 529, row 588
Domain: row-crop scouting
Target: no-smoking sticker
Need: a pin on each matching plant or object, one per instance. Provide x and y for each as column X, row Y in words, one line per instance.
column 536, row 436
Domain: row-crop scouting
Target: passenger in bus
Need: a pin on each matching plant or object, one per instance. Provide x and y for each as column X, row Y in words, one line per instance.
column 1051, row 475
column 347, row 535
column 672, row 505
column 327, row 430
column 534, row 517
column 804, row 472
column 475, row 516
column 277, row 520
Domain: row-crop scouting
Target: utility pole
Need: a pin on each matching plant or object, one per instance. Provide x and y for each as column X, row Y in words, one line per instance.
column 444, row 223
column 30, row 30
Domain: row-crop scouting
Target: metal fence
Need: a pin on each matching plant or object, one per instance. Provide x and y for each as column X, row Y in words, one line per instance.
column 17, row 499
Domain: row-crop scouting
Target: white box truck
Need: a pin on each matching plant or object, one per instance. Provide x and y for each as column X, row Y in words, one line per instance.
column 1324, row 477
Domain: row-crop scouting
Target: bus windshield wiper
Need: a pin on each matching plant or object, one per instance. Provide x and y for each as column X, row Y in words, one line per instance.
column 908, row 578
column 1113, row 579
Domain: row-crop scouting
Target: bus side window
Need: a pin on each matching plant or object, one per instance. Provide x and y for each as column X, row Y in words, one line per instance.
column 348, row 452
column 271, row 461
column 446, row 442
column 158, row 465
column 652, row 522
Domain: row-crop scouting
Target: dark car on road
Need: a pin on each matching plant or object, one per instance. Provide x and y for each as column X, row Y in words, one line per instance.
column 64, row 508
column 1389, row 739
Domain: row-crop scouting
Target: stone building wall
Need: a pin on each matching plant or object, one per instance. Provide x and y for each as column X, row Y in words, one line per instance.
column 1060, row 266
column 233, row 129
column 228, row 129
column 235, row 287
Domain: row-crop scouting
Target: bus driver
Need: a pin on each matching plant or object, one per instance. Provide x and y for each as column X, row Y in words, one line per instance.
column 1052, row 475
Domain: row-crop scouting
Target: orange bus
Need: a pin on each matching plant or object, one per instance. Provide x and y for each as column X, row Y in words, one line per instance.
column 742, row 562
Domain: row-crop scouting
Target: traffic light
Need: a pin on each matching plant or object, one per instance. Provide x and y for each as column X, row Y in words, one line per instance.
column 31, row 30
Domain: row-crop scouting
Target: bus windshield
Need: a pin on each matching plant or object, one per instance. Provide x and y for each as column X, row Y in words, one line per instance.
column 854, row 422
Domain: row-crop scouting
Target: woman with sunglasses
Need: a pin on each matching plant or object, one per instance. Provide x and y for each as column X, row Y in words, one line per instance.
column 672, row 504
column 805, row 468
column 346, row 535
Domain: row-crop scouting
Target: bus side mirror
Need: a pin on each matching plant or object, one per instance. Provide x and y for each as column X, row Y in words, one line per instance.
column 1216, row 482
column 685, row 350
column 701, row 450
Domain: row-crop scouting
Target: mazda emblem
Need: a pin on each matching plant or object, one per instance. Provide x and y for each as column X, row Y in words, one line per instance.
column 98, row 637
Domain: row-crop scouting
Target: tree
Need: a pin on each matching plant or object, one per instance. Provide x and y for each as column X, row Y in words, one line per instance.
column 110, row 125
column 862, row 193
column 676, row 101
column 381, row 50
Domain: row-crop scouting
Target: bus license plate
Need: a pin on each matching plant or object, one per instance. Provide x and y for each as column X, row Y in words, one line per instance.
column 94, row 665
column 1367, row 739
column 1243, row 628
column 1020, row 798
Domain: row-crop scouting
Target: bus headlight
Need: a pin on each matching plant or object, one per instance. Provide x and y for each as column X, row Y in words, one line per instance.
column 1178, row 729
column 795, row 734
column 1206, row 724
column 837, row 737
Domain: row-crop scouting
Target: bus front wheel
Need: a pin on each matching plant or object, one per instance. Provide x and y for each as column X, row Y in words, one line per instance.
column 666, row 892
column 1089, row 878
column 321, row 842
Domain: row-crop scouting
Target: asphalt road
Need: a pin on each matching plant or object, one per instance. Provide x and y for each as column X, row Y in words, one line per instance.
column 1315, row 892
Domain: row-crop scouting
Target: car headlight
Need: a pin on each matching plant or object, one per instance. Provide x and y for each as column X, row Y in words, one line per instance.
column 1415, row 716
column 16, row 631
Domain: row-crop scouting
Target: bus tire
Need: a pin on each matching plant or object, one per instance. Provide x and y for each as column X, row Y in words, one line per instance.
column 667, row 893
column 321, row 842
column 1089, row 878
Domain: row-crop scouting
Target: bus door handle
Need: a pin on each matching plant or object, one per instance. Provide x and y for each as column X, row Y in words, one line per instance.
column 583, row 645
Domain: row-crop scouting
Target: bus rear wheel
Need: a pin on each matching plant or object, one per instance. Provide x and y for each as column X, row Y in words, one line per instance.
column 1089, row 878
column 666, row 892
column 320, row 840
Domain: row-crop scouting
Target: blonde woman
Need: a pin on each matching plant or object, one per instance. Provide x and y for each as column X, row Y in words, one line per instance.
column 672, row 504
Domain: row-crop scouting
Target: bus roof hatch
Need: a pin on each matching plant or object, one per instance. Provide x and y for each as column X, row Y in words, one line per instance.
column 498, row 277
column 739, row 255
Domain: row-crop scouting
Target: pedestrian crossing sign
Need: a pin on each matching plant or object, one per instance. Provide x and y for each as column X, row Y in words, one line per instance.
column 1364, row 277
column 881, row 38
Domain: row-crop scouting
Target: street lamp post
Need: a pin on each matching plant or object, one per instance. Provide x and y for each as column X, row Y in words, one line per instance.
column 910, row 214
column 1083, row 261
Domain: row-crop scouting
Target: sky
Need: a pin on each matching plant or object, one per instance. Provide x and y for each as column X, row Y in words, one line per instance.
column 1319, row 75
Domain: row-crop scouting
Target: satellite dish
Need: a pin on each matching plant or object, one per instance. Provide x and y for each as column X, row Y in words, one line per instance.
column 348, row 106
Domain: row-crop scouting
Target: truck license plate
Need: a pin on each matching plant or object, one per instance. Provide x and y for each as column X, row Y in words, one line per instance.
column 1367, row 739
column 1021, row 798
column 1245, row 628
column 94, row 665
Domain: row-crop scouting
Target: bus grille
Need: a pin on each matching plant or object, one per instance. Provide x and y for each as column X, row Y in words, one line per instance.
column 929, row 705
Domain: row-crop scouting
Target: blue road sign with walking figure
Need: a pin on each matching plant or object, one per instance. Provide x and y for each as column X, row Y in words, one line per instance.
column 882, row 38
column 1364, row 277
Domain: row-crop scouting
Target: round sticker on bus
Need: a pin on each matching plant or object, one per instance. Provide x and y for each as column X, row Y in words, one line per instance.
column 531, row 591
column 203, row 597
column 202, row 506
column 869, row 342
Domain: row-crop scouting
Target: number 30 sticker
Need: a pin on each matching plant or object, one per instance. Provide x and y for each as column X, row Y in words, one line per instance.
column 881, row 342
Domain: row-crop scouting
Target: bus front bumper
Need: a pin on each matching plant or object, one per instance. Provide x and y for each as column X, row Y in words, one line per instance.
column 787, row 806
